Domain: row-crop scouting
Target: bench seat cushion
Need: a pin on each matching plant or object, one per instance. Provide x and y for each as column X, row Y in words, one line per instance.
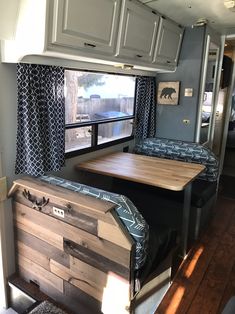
column 125, row 209
column 182, row 151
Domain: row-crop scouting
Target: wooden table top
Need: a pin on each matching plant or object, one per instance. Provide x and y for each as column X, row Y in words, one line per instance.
column 164, row 173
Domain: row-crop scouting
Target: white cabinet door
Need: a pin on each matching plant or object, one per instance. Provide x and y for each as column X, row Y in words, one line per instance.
column 168, row 42
column 137, row 33
column 88, row 25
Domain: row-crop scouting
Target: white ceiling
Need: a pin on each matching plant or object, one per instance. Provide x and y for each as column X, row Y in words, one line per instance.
column 188, row 12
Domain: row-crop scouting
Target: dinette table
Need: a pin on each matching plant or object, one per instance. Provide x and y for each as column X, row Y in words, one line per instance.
column 159, row 172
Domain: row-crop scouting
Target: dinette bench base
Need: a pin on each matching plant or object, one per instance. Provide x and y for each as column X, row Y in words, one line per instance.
column 87, row 257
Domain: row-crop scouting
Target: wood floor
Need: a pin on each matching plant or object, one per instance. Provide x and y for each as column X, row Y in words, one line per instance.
column 206, row 279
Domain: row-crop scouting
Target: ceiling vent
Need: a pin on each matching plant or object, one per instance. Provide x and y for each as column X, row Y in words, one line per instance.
column 230, row 4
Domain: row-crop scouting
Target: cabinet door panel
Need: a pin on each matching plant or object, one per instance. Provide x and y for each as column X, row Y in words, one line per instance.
column 138, row 32
column 168, row 42
column 86, row 24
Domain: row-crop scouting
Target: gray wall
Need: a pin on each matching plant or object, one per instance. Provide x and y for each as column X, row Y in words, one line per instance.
column 7, row 144
column 170, row 118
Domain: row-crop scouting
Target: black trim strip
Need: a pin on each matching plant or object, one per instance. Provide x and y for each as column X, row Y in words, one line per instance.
column 97, row 147
column 96, row 122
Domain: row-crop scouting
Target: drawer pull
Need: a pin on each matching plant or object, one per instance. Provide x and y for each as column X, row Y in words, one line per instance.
column 139, row 56
column 89, row 45
column 35, row 203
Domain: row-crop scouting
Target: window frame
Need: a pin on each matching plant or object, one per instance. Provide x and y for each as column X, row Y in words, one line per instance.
column 95, row 125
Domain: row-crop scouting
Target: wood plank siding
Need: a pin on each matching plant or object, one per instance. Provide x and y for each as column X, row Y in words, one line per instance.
column 72, row 257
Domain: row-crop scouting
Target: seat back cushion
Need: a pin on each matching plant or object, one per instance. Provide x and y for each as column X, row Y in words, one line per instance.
column 125, row 209
column 182, row 151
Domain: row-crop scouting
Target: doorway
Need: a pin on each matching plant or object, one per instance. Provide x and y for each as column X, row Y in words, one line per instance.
column 229, row 126
column 229, row 158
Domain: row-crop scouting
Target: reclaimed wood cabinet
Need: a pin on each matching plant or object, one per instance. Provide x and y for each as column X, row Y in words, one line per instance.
column 71, row 257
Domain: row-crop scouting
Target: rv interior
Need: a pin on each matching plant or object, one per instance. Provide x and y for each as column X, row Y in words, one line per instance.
column 117, row 156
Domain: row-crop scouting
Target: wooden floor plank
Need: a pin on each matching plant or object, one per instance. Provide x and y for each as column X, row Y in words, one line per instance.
column 184, row 287
column 230, row 286
column 229, row 291
column 211, row 289
column 202, row 270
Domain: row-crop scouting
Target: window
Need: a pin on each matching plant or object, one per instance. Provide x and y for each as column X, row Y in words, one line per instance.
column 99, row 110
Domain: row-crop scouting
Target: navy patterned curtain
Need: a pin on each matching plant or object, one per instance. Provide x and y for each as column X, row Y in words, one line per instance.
column 145, row 107
column 41, row 119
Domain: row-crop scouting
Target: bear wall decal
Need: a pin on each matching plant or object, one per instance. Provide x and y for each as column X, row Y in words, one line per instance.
column 167, row 92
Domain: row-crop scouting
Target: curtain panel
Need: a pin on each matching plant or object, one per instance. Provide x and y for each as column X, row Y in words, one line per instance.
column 41, row 119
column 145, row 125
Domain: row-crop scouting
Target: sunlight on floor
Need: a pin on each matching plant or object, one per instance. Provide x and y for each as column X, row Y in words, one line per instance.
column 175, row 302
column 178, row 296
column 194, row 261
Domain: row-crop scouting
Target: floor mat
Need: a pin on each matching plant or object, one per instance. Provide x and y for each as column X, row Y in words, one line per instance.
column 227, row 186
column 46, row 308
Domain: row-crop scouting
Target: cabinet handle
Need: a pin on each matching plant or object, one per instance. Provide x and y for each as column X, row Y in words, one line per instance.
column 139, row 56
column 168, row 61
column 89, row 45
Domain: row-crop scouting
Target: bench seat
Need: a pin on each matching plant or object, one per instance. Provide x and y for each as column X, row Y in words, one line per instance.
column 204, row 189
column 181, row 150
column 81, row 245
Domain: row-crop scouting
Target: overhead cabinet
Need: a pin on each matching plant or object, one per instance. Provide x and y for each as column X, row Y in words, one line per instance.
column 100, row 31
column 137, row 33
column 89, row 25
column 168, row 42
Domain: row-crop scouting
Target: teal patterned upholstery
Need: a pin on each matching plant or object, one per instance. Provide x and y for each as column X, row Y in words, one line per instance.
column 125, row 209
column 183, row 151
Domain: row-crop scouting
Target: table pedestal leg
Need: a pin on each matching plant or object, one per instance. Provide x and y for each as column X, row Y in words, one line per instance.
column 185, row 222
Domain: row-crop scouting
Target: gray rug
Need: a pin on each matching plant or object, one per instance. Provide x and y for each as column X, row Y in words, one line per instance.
column 46, row 308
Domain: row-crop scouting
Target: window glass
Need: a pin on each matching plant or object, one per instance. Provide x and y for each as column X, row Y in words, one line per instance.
column 113, row 131
column 91, row 98
column 94, row 96
column 77, row 138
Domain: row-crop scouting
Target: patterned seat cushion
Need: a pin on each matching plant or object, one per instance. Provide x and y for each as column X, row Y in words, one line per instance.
column 125, row 209
column 183, row 151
